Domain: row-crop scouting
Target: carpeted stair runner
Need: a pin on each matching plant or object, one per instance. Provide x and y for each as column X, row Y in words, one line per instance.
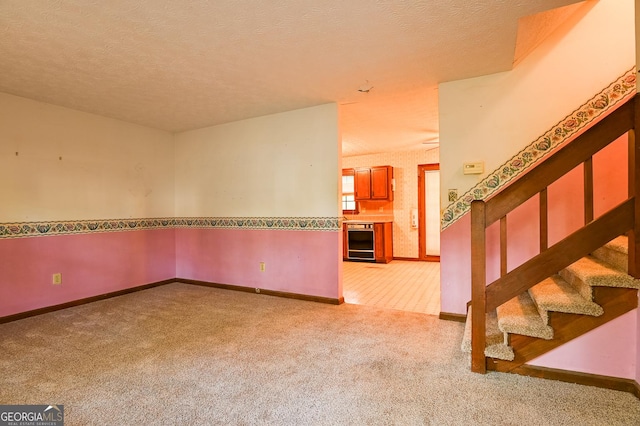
column 570, row 291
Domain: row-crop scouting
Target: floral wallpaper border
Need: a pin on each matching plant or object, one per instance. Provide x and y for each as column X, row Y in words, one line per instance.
column 35, row 229
column 617, row 92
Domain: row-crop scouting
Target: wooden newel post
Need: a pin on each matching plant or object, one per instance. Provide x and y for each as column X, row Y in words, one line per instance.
column 478, row 286
column 634, row 191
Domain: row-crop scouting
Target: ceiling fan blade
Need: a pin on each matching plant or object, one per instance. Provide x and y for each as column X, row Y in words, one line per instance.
column 434, row 140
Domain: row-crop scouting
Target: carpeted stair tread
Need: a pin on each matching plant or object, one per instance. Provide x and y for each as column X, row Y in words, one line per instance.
column 555, row 294
column 620, row 244
column 615, row 253
column 495, row 347
column 597, row 273
column 520, row 316
column 585, row 290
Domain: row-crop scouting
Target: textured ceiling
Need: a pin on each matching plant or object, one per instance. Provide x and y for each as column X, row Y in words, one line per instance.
column 184, row 65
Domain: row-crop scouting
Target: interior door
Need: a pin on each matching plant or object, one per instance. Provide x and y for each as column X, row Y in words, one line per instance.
column 429, row 211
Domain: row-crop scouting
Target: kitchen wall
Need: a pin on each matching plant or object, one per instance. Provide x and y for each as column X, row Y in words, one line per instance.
column 79, row 175
column 405, row 169
column 284, row 168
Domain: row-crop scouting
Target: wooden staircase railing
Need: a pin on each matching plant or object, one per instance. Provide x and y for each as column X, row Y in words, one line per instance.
column 624, row 218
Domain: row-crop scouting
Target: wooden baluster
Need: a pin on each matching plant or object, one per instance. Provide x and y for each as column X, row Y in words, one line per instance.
column 544, row 221
column 634, row 187
column 503, row 246
column 588, row 190
column 478, row 286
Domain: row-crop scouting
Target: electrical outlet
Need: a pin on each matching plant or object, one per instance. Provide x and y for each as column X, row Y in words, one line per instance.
column 263, row 267
column 57, row 278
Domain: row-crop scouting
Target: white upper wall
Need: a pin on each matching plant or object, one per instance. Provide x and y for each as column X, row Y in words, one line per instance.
column 72, row 165
column 283, row 165
column 493, row 117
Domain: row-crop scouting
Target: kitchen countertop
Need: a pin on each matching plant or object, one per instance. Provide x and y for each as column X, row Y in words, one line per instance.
column 365, row 220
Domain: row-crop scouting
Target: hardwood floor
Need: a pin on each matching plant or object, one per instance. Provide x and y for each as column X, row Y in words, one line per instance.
column 402, row 285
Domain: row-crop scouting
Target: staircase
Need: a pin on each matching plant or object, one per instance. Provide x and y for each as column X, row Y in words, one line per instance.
column 581, row 297
column 571, row 287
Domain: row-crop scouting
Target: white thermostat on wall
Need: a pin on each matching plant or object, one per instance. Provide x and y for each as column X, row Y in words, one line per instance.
column 473, row 168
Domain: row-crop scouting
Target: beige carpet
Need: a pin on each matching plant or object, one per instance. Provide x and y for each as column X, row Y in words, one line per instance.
column 182, row 354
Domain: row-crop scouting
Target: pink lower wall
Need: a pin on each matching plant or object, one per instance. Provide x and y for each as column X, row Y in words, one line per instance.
column 90, row 264
column 609, row 350
column 455, row 266
column 302, row 262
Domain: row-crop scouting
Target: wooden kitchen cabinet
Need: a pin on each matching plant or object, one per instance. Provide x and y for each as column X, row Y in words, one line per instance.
column 374, row 183
column 381, row 179
column 383, row 242
column 363, row 184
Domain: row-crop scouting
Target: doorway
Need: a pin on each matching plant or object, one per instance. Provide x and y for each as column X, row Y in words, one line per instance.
column 429, row 212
